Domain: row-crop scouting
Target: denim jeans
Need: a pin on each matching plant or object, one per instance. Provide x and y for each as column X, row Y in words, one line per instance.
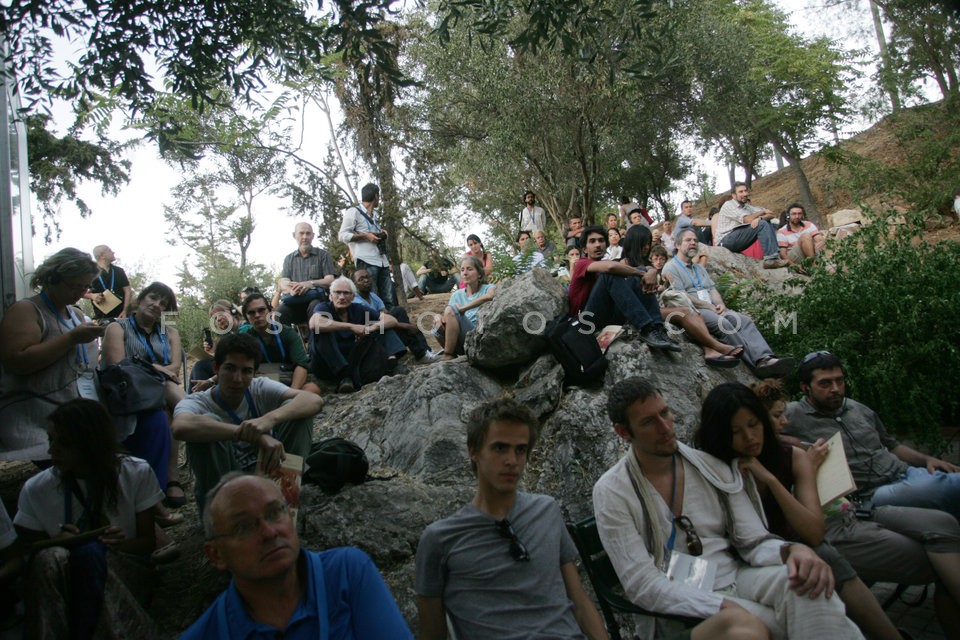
column 742, row 237
column 920, row 488
column 619, row 299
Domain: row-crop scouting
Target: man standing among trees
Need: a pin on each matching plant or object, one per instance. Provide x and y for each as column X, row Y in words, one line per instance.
column 532, row 217
column 368, row 241
column 305, row 272
column 741, row 224
column 113, row 279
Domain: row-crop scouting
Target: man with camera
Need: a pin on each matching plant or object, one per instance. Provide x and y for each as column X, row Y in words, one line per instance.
column 368, row 241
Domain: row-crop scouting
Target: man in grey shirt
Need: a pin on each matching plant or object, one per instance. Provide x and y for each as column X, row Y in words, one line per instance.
column 503, row 566
column 306, row 274
column 740, row 224
column 886, row 471
column 361, row 230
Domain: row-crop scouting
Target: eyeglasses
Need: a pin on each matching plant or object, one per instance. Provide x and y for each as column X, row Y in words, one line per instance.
column 814, row 355
column 341, row 293
column 694, row 544
column 517, row 548
column 246, row 528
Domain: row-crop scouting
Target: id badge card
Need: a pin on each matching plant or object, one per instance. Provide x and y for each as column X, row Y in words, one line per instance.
column 692, row 571
column 704, row 294
column 87, row 385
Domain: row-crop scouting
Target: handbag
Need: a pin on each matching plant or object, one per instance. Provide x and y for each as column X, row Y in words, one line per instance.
column 132, row 386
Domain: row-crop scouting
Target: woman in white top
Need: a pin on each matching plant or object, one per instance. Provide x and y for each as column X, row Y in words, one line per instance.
column 614, row 250
column 93, row 511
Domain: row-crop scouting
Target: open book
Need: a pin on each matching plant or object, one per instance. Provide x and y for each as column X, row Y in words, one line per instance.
column 288, row 477
column 607, row 335
column 834, row 478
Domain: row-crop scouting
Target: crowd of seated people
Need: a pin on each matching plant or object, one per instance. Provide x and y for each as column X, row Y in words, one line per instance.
column 106, row 481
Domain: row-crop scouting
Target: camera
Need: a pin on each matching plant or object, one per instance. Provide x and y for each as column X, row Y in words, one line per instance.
column 382, row 242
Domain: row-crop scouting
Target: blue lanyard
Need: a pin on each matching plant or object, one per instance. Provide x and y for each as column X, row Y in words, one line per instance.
column 81, row 348
column 692, row 269
column 150, row 352
column 673, row 520
column 251, row 407
column 263, row 347
column 113, row 279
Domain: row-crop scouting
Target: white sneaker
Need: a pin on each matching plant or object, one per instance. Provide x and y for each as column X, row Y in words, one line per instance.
column 430, row 356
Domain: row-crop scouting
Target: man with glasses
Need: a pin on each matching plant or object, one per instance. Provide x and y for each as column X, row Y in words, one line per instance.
column 281, row 346
column 668, row 516
column 503, row 566
column 887, row 473
column 226, row 427
column 279, row 589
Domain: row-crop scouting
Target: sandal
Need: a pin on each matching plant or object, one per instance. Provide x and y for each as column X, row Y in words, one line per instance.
column 735, row 352
column 166, row 554
column 722, row 362
column 174, row 502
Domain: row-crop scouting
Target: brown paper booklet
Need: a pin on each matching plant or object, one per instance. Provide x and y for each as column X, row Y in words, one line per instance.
column 110, row 302
column 834, row 478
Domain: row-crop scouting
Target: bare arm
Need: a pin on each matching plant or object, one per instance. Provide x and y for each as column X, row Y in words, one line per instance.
column 299, row 377
column 193, row 427
column 21, row 349
column 801, row 508
column 583, row 608
column 173, row 369
column 614, row 267
column 112, row 349
column 433, row 620
column 917, row 459
column 487, row 297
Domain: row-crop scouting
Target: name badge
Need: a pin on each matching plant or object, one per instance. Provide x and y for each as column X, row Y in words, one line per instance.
column 693, row 571
column 704, row 294
column 87, row 385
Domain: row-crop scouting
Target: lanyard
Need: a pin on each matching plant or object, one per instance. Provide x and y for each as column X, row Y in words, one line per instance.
column 113, row 279
column 81, row 348
column 146, row 343
column 673, row 520
column 251, row 407
column 263, row 347
column 691, row 269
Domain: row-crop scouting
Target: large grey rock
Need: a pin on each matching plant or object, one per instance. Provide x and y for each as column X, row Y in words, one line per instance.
column 509, row 327
column 749, row 271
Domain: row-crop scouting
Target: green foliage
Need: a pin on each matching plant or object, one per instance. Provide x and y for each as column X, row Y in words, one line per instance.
column 924, row 43
column 58, row 164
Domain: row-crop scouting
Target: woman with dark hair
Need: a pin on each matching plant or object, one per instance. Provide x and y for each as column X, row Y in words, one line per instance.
column 48, row 352
column 636, row 251
column 460, row 315
column 478, row 252
column 736, row 427
column 145, row 335
column 614, row 250
column 91, row 519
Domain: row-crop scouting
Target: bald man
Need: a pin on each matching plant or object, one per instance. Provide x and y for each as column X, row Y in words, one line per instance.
column 110, row 278
column 307, row 273
column 279, row 589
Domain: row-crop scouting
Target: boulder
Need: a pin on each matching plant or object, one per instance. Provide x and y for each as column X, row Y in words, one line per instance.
column 509, row 327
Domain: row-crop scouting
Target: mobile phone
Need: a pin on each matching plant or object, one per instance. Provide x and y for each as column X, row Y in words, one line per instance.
column 207, row 337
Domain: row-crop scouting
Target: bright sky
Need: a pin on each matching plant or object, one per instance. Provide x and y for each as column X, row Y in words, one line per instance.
column 132, row 222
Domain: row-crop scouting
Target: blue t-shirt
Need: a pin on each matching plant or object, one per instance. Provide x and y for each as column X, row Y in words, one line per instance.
column 357, row 313
column 460, row 298
column 346, row 599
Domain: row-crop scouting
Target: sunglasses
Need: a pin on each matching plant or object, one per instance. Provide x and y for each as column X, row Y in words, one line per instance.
column 815, row 354
column 694, row 544
column 517, row 549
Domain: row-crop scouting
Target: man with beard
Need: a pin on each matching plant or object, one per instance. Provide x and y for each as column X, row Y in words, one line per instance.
column 887, row 473
column 669, row 515
column 532, row 217
column 727, row 325
column 741, row 224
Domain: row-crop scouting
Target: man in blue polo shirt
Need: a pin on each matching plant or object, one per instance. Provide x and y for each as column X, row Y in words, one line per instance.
column 279, row 589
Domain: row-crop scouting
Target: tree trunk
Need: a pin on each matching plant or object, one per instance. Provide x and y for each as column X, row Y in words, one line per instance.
column 803, row 184
column 886, row 72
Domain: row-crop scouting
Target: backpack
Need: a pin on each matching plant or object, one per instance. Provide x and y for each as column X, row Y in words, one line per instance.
column 335, row 462
column 368, row 361
column 578, row 352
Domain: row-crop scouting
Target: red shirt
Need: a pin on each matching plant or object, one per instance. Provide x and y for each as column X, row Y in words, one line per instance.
column 581, row 284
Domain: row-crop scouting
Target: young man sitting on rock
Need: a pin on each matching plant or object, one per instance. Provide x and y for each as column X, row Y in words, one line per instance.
column 604, row 292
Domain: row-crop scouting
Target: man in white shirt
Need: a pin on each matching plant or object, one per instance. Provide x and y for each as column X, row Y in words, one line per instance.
column 741, row 224
column 799, row 238
column 665, row 505
column 532, row 217
column 361, row 230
